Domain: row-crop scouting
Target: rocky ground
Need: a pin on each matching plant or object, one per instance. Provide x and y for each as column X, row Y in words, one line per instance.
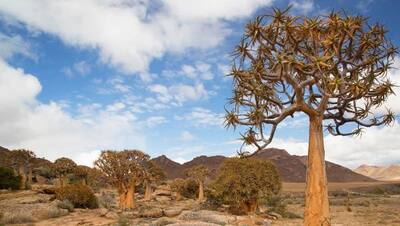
column 36, row 208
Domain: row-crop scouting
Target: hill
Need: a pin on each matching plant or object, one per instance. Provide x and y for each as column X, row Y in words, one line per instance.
column 292, row 168
column 382, row 173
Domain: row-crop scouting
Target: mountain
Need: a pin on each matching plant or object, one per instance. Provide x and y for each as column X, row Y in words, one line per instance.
column 383, row 173
column 172, row 169
column 292, row 168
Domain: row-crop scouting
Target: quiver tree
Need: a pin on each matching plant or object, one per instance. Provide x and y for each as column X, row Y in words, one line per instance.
column 63, row 167
column 178, row 186
column 124, row 170
column 21, row 162
column 243, row 182
column 199, row 173
column 152, row 174
column 82, row 173
column 332, row 68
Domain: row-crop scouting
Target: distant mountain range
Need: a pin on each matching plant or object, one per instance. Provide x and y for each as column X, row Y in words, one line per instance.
column 292, row 168
column 383, row 173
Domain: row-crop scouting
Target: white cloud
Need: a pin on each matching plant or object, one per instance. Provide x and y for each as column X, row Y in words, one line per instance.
column 303, row 6
column 11, row 45
column 179, row 93
column 155, row 120
column 187, row 136
column 203, row 117
column 50, row 131
column 130, row 34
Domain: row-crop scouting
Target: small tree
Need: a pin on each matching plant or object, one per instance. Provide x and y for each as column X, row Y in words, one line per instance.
column 82, row 173
column 63, row 167
column 242, row 182
column 331, row 68
column 199, row 173
column 124, row 170
column 21, row 162
column 178, row 186
column 152, row 174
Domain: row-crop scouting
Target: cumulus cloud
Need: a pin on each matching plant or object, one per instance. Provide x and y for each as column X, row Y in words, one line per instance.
column 50, row 131
column 11, row 45
column 126, row 33
column 187, row 136
column 179, row 93
column 203, row 117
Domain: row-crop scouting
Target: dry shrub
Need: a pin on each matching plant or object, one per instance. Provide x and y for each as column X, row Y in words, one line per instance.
column 81, row 196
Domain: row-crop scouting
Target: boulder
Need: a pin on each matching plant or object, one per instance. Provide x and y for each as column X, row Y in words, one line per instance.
column 162, row 198
column 162, row 192
column 193, row 223
column 172, row 212
column 153, row 212
column 207, row 216
column 102, row 211
column 111, row 215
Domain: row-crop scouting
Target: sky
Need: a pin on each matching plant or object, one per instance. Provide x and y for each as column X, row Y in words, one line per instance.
column 81, row 76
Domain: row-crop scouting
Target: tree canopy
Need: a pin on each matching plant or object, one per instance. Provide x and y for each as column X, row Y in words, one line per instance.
column 331, row 67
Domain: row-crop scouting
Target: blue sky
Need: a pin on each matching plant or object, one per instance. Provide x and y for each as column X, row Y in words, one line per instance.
column 78, row 77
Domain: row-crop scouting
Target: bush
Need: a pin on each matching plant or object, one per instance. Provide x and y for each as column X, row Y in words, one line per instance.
column 243, row 182
column 81, row 196
column 107, row 200
column 8, row 180
column 276, row 204
column 66, row 204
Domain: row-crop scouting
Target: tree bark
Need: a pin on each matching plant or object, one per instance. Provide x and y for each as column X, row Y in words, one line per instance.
column 148, row 191
column 316, row 203
column 201, row 191
column 250, row 206
column 30, row 176
column 22, row 184
column 127, row 197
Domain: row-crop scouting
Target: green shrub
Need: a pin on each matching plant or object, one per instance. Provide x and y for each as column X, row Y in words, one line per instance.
column 8, row 180
column 66, row 204
column 81, row 196
column 243, row 182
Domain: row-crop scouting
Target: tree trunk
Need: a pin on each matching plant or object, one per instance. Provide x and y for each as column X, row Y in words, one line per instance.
column 250, row 206
column 148, row 191
column 201, row 191
column 316, row 203
column 30, row 176
column 22, row 184
column 127, row 197
column 178, row 196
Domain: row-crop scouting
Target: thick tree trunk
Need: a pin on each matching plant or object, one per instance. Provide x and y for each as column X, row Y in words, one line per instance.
column 201, row 191
column 127, row 197
column 250, row 206
column 178, row 196
column 147, row 192
column 30, row 176
column 316, row 203
column 22, row 184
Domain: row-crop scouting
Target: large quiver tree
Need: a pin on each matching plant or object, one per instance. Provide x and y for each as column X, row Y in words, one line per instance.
column 152, row 174
column 333, row 69
column 199, row 173
column 124, row 170
column 21, row 162
column 62, row 167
